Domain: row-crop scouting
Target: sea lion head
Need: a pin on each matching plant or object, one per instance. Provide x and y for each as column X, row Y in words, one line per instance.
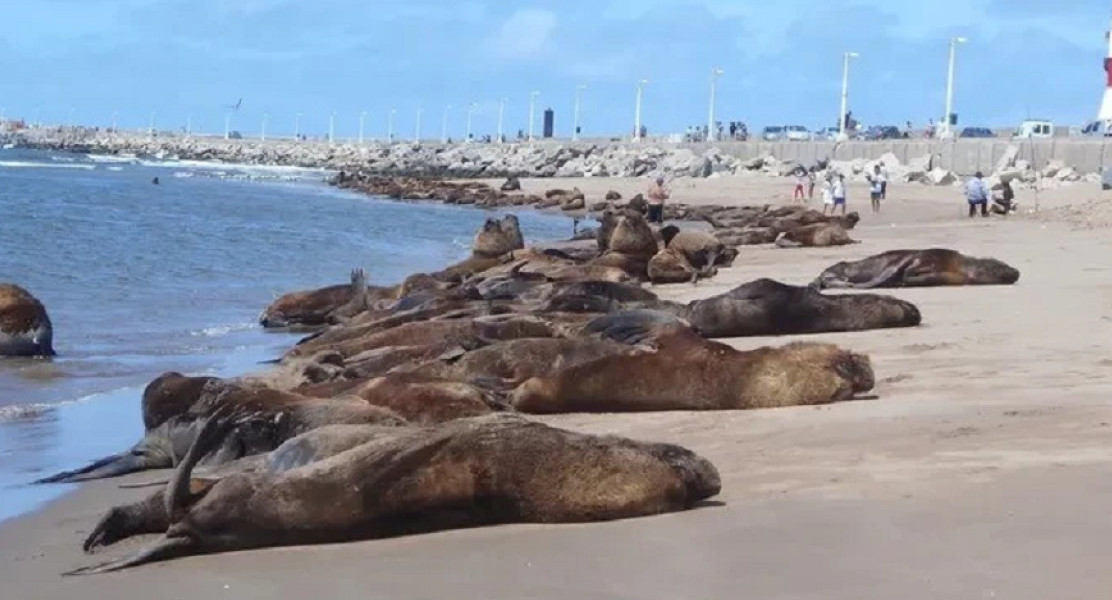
column 990, row 270
column 700, row 478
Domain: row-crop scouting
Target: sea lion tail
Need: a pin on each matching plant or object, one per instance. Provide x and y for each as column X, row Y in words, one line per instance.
column 209, row 436
column 109, row 466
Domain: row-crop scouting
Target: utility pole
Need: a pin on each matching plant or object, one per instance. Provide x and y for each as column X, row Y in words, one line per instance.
column 150, row 131
column 362, row 119
column 712, row 129
column 332, row 128
column 637, row 110
column 444, row 125
column 417, row 132
column 575, row 132
column 297, row 127
column 947, row 128
column 262, row 134
column 470, row 113
column 845, row 95
column 390, row 126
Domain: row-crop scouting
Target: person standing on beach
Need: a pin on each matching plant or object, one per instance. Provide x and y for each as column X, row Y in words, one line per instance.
column 657, row 194
column 800, row 181
column 876, row 189
column 827, row 196
column 811, row 184
column 977, row 194
column 838, row 195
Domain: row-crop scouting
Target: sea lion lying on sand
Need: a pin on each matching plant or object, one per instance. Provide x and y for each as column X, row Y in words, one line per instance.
column 688, row 372
column 278, row 416
column 498, row 469
column 701, row 248
column 323, row 306
column 817, row 235
column 767, row 307
column 25, row 328
column 917, row 268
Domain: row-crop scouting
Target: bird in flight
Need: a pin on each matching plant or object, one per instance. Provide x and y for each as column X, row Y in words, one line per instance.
column 236, row 105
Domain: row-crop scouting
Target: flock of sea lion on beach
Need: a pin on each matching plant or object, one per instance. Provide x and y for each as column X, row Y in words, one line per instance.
column 403, row 410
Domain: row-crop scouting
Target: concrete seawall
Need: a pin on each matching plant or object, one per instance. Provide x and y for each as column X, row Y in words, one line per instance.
column 962, row 156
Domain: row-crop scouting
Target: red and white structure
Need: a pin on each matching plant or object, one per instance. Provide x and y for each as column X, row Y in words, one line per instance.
column 1105, row 113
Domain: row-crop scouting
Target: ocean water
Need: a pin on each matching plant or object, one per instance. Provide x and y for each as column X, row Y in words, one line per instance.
column 140, row 279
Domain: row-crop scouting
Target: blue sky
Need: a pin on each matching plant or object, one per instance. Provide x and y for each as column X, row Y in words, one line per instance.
column 782, row 61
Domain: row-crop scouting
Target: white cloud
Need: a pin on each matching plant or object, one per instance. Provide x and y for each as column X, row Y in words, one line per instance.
column 524, row 34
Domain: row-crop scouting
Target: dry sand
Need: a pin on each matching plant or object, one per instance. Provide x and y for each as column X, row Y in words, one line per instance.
column 982, row 470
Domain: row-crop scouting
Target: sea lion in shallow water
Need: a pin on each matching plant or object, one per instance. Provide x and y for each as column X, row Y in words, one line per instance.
column 767, row 307
column 489, row 470
column 25, row 328
column 917, row 268
column 688, row 372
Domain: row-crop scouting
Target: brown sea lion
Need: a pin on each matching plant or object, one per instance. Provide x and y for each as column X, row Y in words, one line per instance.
column 423, row 400
column 631, row 245
column 746, row 236
column 25, row 328
column 702, row 249
column 688, row 372
column 496, row 469
column 671, row 265
column 279, row 416
column 917, row 268
column 149, row 515
column 817, row 235
column 515, row 361
column 767, row 307
column 325, row 305
column 512, row 184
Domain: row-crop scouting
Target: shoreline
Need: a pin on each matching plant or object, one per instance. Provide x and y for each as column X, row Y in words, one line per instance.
column 981, row 470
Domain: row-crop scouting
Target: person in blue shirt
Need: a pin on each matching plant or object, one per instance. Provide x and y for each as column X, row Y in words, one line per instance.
column 977, row 194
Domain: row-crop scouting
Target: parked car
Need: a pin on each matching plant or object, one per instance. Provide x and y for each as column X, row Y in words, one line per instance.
column 797, row 133
column 976, row 132
column 829, row 134
column 1034, row 128
column 883, row 132
column 773, row 133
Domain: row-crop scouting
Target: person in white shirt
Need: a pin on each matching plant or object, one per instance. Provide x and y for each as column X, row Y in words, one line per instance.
column 838, row 193
column 883, row 181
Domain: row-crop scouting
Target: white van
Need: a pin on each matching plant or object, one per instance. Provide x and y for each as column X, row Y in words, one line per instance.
column 1034, row 128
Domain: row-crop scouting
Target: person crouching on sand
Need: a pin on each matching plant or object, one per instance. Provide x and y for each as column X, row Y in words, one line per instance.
column 977, row 194
column 658, row 193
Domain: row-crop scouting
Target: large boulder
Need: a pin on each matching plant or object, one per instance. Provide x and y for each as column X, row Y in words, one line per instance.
column 942, row 177
column 1007, row 161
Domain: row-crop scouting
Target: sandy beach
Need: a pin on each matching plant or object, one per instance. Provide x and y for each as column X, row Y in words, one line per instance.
column 982, row 468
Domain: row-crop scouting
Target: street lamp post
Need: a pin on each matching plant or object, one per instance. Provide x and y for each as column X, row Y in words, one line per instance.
column 227, row 125
column 845, row 94
column 115, row 121
column 637, row 111
column 532, row 112
column 362, row 119
column 417, row 130
column 501, row 114
column 575, row 131
column 390, row 126
column 70, row 118
column 150, row 130
column 712, row 129
column 262, row 135
column 332, row 128
column 297, row 127
column 470, row 114
column 947, row 130
column 188, row 125
column 444, row 124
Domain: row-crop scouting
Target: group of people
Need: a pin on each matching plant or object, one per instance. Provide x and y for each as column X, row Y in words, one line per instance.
column 834, row 188
column 978, row 193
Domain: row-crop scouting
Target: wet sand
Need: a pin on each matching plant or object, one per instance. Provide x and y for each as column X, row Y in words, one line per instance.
column 983, row 469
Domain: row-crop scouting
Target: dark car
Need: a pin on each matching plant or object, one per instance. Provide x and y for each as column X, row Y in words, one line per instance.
column 883, row 132
column 977, row 132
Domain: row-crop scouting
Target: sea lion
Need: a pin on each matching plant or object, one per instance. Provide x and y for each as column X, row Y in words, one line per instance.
column 323, row 306
column 498, row 237
column 278, row 417
column 631, row 245
column 512, row 184
column 149, row 515
column 688, row 372
column 488, row 470
column 424, row 400
column 514, row 361
column 702, row 249
column 25, row 328
column 816, row 235
column 767, row 307
column 917, row 268
column 671, row 265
